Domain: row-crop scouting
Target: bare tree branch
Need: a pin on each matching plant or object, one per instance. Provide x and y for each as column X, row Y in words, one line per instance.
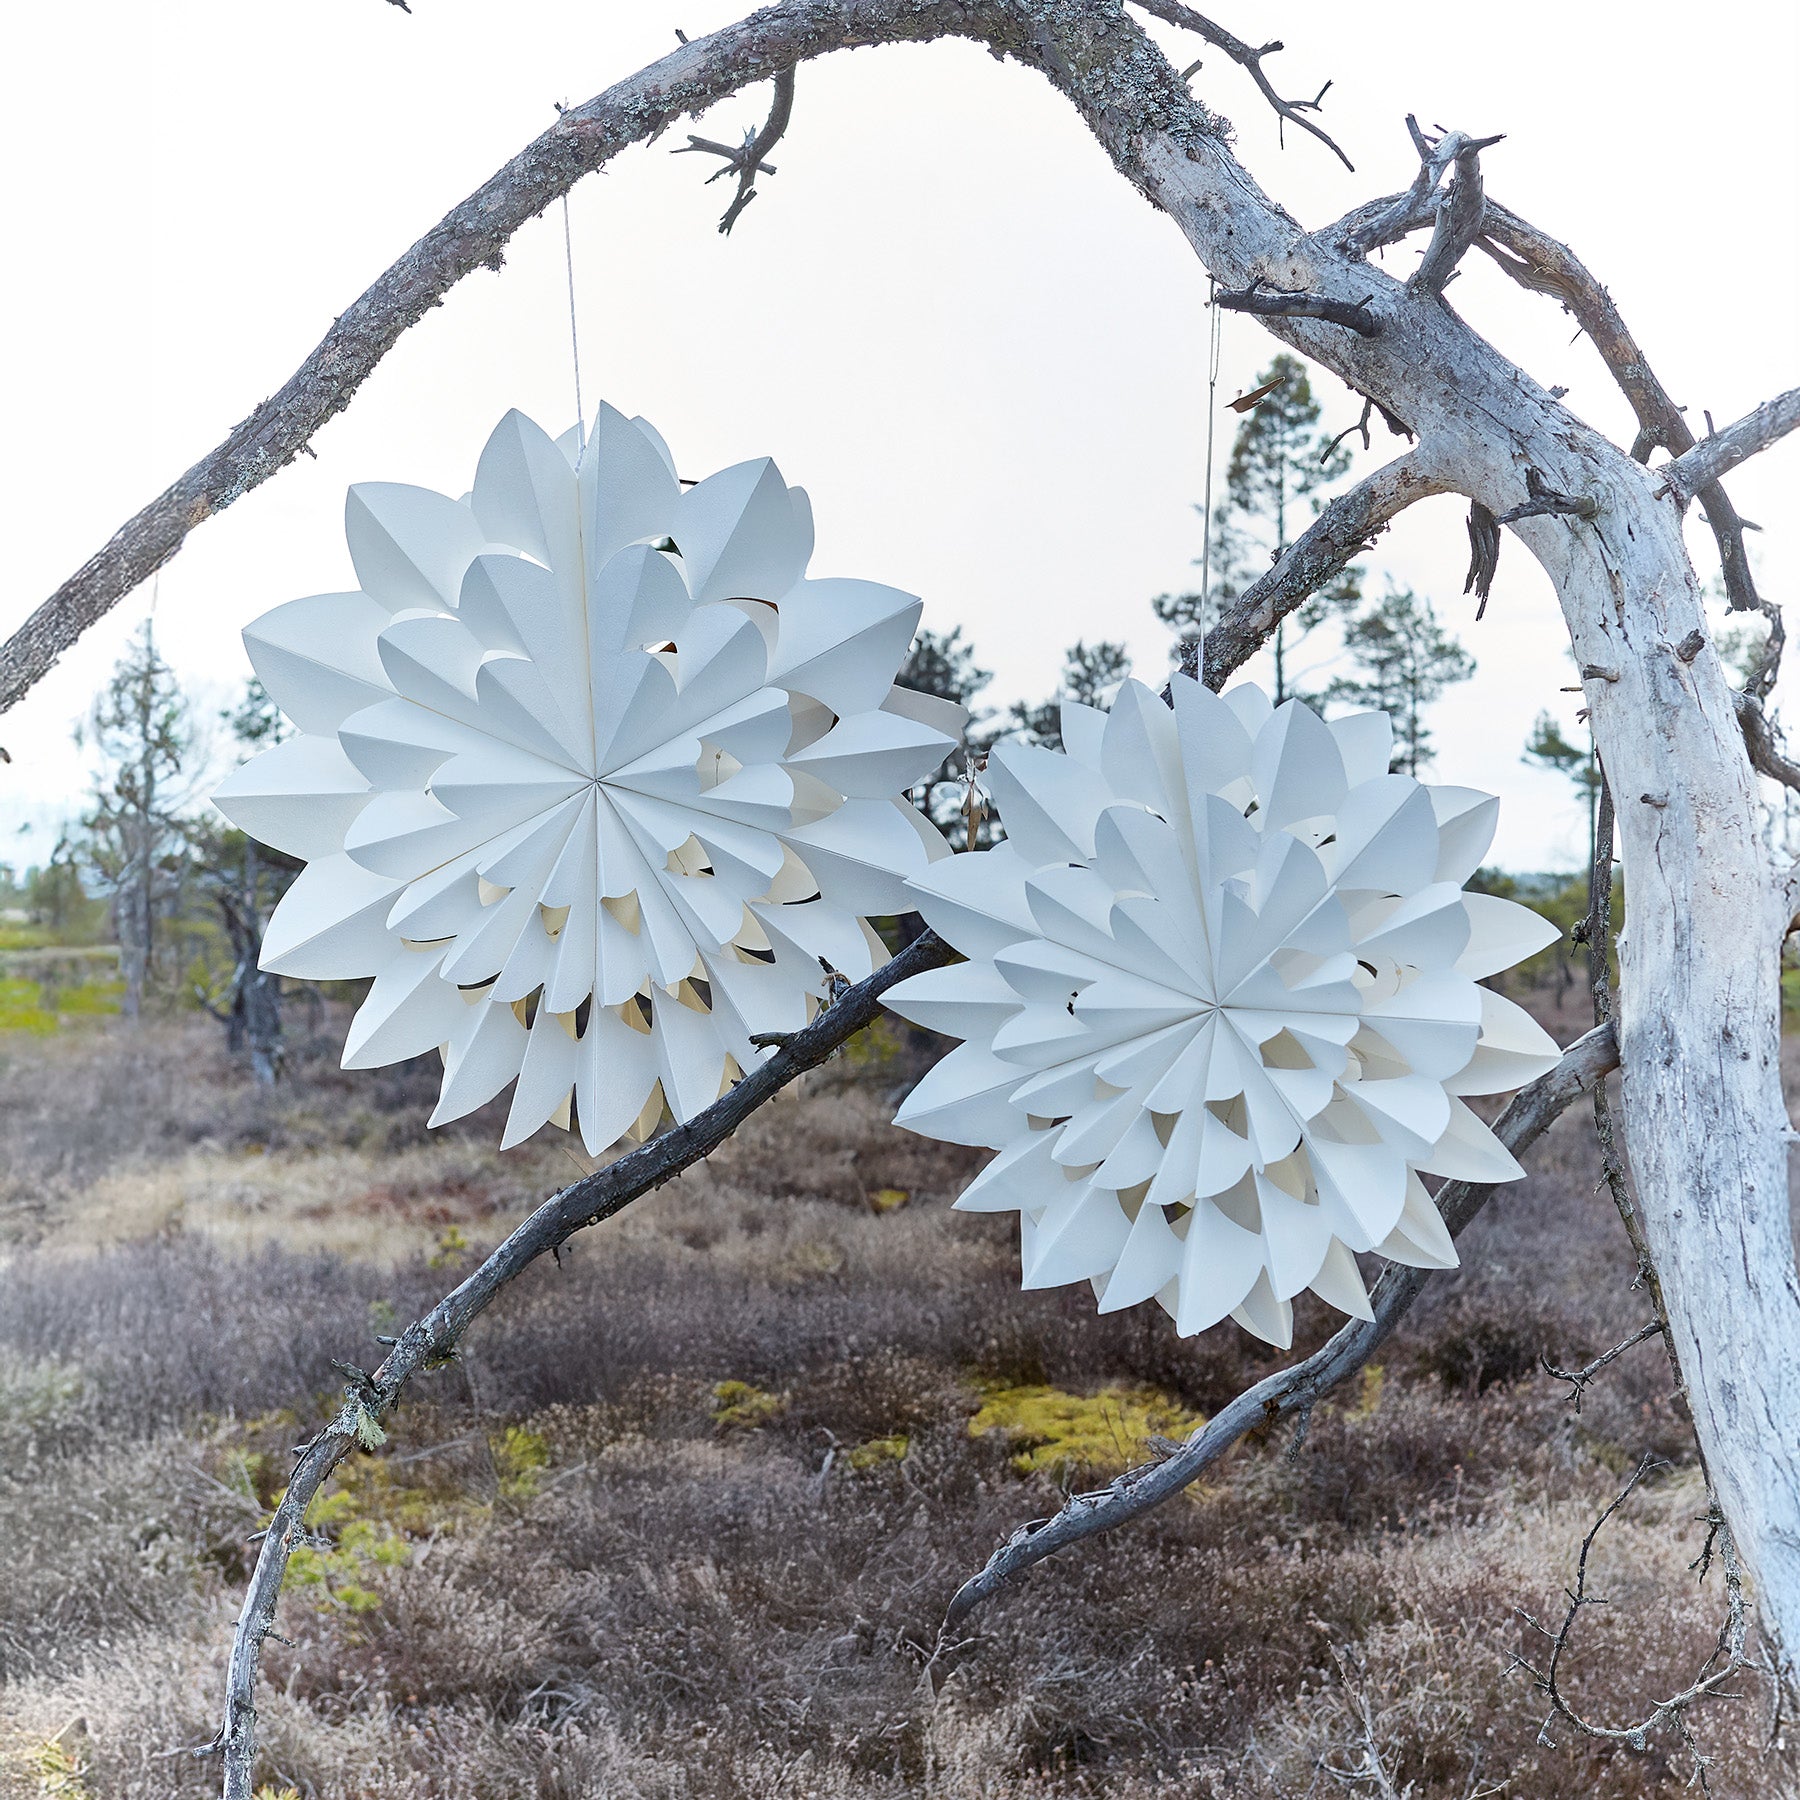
column 1726, row 1661
column 1280, row 303
column 1721, row 452
column 1759, row 741
column 1537, row 261
column 745, row 160
column 1172, row 12
column 1580, row 1379
column 1386, row 221
column 1459, row 210
column 430, row 1342
column 1293, row 1391
column 474, row 235
column 1328, row 546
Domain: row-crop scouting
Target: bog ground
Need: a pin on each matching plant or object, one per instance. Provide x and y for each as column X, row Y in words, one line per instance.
column 684, row 1516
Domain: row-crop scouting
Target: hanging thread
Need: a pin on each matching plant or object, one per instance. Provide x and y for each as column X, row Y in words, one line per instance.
column 574, row 335
column 1212, row 412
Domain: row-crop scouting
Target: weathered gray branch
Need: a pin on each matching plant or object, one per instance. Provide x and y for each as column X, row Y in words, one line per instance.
column 1172, row 12
column 474, row 235
column 1537, row 261
column 1459, row 211
column 1386, row 221
column 1277, row 303
column 1324, row 550
column 1759, row 741
column 1719, row 454
column 1293, row 1391
column 431, row 1341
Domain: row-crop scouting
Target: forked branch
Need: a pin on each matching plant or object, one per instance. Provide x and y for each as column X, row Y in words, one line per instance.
column 745, row 160
column 1459, row 210
column 431, row 1341
column 1172, row 12
column 1581, row 1379
column 1386, row 221
column 1293, row 1392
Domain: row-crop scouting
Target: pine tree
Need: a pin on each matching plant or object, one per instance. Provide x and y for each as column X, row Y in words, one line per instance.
column 1090, row 672
column 1405, row 660
column 244, row 880
column 1280, row 463
column 133, row 843
column 943, row 664
column 1547, row 748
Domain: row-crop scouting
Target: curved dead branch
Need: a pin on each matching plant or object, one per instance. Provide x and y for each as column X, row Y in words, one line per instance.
column 1537, row 261
column 430, row 1342
column 1334, row 540
column 1293, row 1392
column 1723, row 1665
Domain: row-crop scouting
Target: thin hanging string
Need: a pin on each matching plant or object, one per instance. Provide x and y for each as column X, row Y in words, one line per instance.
column 1212, row 412
column 574, row 334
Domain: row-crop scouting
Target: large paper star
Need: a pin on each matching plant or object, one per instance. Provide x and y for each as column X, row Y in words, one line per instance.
column 591, row 778
column 1221, row 1007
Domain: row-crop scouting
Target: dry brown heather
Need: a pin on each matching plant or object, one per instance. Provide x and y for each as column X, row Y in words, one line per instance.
column 680, row 1521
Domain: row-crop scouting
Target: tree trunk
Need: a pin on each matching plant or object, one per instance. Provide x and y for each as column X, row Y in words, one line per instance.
column 1705, row 1120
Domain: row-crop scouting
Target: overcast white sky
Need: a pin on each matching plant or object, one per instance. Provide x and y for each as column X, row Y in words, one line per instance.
column 946, row 316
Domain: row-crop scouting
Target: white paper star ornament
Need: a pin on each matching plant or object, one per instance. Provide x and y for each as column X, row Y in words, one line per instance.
column 1221, row 1007
column 591, row 777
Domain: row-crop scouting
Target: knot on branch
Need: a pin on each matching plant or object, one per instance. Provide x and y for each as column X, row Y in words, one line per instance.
column 1288, row 303
column 1543, row 499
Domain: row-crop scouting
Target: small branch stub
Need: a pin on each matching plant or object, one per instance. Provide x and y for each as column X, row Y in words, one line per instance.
column 1282, row 303
column 1545, row 500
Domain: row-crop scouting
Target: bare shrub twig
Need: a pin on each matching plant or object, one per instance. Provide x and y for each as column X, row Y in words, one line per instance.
column 1726, row 1660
